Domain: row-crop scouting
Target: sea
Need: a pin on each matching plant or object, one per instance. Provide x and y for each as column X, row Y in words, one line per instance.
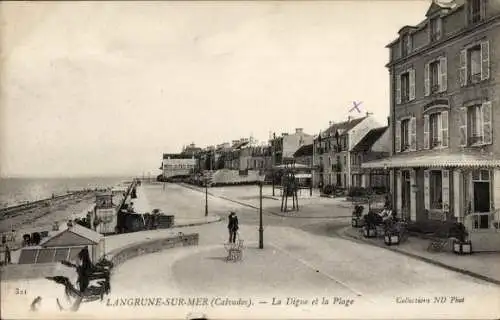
column 14, row 191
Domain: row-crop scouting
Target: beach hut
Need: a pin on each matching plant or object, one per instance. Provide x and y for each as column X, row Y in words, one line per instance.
column 65, row 245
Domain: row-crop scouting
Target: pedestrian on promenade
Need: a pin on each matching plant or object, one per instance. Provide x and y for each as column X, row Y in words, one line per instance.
column 232, row 226
column 7, row 255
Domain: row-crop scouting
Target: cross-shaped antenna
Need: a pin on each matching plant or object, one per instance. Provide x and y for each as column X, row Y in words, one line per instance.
column 356, row 106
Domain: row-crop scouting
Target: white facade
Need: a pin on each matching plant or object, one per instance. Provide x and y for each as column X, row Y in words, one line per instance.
column 177, row 167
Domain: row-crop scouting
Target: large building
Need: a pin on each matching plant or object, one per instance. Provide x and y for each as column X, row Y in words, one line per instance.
column 333, row 150
column 178, row 165
column 283, row 147
column 445, row 87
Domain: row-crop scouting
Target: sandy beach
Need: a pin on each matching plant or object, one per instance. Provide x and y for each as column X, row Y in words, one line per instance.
column 42, row 217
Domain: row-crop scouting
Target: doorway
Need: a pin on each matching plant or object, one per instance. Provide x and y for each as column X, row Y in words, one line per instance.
column 405, row 194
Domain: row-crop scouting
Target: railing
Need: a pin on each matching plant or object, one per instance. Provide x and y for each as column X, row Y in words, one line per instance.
column 479, row 221
column 475, row 78
column 436, row 143
column 435, row 88
column 475, row 139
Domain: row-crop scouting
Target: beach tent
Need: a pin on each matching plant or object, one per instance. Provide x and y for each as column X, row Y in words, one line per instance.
column 65, row 245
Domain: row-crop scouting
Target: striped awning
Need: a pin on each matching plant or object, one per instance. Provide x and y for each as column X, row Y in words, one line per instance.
column 410, row 160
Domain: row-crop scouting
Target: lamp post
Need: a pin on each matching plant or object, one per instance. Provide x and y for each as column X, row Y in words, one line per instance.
column 261, row 228
column 206, row 196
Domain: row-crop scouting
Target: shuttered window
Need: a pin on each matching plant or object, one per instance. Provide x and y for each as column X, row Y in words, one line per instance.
column 479, row 124
column 475, row 63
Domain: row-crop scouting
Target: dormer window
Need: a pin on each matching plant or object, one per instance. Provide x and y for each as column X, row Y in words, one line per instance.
column 406, row 45
column 475, row 10
column 435, row 29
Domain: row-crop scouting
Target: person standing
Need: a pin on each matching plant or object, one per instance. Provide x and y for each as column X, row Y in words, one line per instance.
column 232, row 226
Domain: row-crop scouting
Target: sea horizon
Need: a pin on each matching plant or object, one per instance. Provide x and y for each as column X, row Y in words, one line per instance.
column 18, row 190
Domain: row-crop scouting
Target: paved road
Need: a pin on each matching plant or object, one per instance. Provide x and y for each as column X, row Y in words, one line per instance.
column 302, row 258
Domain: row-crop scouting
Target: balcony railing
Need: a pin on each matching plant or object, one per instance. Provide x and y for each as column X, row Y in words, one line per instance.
column 475, row 139
column 434, row 88
column 475, row 78
column 436, row 143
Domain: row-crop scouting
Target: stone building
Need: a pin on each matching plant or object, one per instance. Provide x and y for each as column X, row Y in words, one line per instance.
column 445, row 86
column 333, row 147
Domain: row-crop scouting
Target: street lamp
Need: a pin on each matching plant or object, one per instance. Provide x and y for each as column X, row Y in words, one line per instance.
column 261, row 228
column 206, row 196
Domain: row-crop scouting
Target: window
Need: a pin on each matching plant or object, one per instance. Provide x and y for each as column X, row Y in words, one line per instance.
column 436, row 189
column 360, row 159
column 405, row 87
column 406, row 45
column 474, row 118
column 474, row 62
column 474, row 11
column 435, row 29
column 405, row 134
column 435, row 130
column 345, row 160
column 434, row 76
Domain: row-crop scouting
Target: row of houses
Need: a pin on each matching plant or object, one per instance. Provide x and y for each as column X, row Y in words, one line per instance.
column 439, row 152
column 334, row 156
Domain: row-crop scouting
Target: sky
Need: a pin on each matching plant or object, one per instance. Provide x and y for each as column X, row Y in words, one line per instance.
column 104, row 88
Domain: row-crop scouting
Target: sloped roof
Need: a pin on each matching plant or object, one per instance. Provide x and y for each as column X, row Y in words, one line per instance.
column 369, row 139
column 305, row 150
column 343, row 127
column 79, row 230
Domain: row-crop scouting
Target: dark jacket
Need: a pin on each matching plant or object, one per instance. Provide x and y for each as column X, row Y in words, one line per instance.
column 233, row 223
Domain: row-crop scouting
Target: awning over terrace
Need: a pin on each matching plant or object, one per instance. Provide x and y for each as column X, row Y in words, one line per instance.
column 410, row 160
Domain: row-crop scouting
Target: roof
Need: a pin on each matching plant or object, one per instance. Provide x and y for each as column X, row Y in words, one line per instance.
column 79, row 230
column 369, row 139
column 305, row 150
column 176, row 156
column 435, row 159
column 436, row 5
column 342, row 126
column 241, row 144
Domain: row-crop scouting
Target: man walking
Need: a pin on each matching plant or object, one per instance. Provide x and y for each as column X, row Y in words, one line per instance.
column 232, row 226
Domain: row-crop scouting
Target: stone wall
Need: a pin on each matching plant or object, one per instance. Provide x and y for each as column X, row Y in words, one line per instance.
column 121, row 255
column 117, row 256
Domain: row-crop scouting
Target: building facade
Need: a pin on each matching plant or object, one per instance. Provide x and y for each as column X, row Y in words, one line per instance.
column 445, row 88
column 283, row 147
column 333, row 150
column 174, row 165
column 376, row 144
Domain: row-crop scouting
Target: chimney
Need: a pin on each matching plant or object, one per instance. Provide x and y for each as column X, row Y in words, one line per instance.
column 298, row 130
column 330, row 123
column 388, row 121
column 349, row 118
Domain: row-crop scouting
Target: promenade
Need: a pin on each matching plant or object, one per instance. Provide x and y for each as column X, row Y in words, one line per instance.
column 303, row 259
